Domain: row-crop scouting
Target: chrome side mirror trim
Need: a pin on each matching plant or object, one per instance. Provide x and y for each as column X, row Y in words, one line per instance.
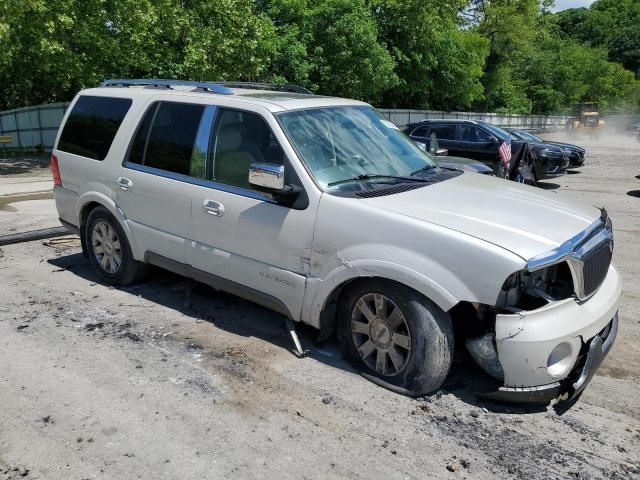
column 267, row 176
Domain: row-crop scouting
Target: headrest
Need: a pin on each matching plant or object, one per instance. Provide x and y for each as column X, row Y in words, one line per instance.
column 229, row 139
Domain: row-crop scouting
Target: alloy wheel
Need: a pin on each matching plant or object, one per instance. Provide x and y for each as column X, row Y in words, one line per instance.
column 106, row 247
column 381, row 334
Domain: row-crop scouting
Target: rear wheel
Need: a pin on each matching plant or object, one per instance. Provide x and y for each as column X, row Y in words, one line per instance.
column 396, row 337
column 109, row 250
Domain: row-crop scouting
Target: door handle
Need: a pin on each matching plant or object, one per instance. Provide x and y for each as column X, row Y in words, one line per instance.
column 124, row 183
column 213, row 208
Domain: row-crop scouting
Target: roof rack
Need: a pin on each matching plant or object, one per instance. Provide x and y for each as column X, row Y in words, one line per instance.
column 277, row 87
column 221, row 88
column 211, row 87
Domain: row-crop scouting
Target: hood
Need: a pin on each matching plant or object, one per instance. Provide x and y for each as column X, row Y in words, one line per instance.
column 516, row 145
column 465, row 164
column 565, row 145
column 525, row 220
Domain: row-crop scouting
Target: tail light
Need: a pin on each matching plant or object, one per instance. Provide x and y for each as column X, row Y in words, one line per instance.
column 55, row 171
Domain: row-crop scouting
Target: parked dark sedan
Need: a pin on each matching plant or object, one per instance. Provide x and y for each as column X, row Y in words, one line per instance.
column 576, row 154
column 481, row 141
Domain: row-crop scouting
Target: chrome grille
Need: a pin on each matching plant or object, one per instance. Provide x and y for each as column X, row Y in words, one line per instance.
column 595, row 268
column 590, row 260
column 588, row 255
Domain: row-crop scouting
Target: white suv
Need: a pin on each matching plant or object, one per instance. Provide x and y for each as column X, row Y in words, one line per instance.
column 322, row 210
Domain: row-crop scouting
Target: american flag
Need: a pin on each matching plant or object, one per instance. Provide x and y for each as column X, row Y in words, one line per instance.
column 505, row 152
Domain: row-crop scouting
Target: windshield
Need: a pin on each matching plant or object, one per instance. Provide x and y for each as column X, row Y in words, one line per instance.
column 342, row 143
column 528, row 136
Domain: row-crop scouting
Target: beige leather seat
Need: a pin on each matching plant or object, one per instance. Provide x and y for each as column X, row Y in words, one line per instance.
column 234, row 155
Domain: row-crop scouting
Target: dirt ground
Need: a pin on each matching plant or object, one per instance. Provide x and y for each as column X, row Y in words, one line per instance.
column 103, row 383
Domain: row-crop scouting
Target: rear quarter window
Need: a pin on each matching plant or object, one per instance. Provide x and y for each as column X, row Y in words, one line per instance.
column 92, row 126
column 444, row 132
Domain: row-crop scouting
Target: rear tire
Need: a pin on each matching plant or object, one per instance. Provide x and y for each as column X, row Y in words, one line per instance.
column 109, row 250
column 395, row 336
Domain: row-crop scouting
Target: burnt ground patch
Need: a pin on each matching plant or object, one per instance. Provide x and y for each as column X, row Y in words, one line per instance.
column 518, row 454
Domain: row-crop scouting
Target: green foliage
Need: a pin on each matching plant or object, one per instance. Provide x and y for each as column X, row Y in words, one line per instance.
column 332, row 47
column 439, row 65
column 536, row 64
column 52, row 48
column 499, row 55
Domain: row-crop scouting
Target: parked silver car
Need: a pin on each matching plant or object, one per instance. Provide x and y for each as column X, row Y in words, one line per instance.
column 322, row 210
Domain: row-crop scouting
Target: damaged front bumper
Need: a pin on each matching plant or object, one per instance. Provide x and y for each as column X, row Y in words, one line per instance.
column 566, row 390
column 554, row 351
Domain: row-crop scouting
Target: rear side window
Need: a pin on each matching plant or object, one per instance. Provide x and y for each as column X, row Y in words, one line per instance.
column 92, row 125
column 420, row 131
column 166, row 137
column 444, row 132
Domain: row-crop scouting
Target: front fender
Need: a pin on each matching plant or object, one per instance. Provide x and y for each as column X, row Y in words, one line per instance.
column 319, row 291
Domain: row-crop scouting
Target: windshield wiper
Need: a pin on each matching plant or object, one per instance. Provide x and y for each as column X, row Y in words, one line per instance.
column 426, row 168
column 370, row 176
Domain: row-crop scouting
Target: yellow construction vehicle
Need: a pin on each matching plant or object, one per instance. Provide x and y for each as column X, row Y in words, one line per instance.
column 585, row 115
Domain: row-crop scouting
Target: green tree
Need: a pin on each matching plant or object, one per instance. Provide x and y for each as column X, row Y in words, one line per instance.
column 438, row 64
column 509, row 26
column 331, row 46
column 51, row 49
column 625, row 48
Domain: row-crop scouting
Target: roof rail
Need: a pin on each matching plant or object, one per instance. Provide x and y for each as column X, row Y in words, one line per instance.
column 212, row 87
column 278, row 87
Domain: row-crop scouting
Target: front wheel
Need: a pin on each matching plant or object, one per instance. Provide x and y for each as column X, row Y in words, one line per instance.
column 396, row 337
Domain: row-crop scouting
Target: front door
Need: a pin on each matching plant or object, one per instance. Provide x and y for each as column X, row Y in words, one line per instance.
column 240, row 235
column 479, row 145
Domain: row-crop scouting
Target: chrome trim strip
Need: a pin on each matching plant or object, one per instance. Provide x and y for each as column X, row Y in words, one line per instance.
column 563, row 252
column 223, row 187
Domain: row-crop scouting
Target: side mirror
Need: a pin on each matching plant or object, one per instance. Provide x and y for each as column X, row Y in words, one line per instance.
column 493, row 140
column 266, row 177
column 442, row 152
column 420, row 145
column 269, row 178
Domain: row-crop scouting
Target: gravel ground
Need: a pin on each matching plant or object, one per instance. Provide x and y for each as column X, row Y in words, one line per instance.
column 103, row 383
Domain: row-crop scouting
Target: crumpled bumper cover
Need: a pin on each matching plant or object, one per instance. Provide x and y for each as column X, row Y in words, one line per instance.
column 595, row 352
column 526, row 343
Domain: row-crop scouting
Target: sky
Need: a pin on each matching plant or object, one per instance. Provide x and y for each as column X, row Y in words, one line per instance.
column 564, row 4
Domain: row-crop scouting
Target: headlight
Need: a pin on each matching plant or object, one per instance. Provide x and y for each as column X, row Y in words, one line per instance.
column 525, row 290
column 551, row 152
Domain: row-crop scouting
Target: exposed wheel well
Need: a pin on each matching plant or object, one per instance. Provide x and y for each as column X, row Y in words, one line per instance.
column 84, row 214
column 328, row 314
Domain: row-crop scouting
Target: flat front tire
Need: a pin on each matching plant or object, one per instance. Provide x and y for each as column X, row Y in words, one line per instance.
column 109, row 250
column 395, row 336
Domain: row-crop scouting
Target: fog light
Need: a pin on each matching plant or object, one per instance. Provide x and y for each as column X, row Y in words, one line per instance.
column 560, row 360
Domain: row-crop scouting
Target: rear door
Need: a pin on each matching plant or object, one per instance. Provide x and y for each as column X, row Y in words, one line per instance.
column 152, row 184
column 244, row 237
column 446, row 134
